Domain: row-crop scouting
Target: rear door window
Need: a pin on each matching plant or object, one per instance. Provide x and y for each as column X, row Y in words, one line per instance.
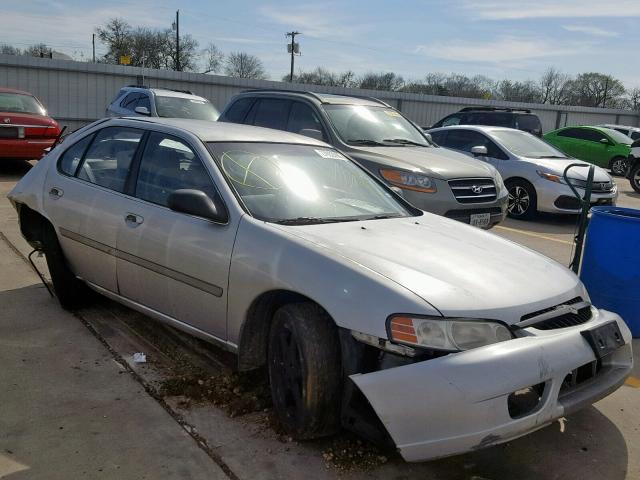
column 530, row 123
column 450, row 120
column 129, row 102
column 109, row 157
column 571, row 133
column 68, row 163
column 272, row 113
column 302, row 117
column 238, row 111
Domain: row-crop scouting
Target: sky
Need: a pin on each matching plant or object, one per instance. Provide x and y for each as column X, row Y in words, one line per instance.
column 514, row 39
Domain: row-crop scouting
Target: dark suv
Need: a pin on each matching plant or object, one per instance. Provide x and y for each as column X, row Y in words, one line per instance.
column 494, row 117
column 387, row 144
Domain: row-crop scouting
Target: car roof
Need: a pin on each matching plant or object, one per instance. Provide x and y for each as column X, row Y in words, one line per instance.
column 325, row 98
column 479, row 128
column 13, row 90
column 226, row 132
column 611, row 125
column 164, row 92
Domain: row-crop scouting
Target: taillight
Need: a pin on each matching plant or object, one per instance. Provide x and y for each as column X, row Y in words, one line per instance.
column 41, row 131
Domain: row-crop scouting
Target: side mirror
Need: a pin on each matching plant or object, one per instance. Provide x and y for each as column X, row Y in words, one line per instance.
column 198, row 203
column 312, row 133
column 604, row 141
column 142, row 111
column 428, row 136
column 479, row 151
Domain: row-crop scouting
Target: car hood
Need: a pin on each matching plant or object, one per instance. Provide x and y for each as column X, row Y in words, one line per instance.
column 557, row 166
column 458, row 269
column 436, row 162
column 26, row 119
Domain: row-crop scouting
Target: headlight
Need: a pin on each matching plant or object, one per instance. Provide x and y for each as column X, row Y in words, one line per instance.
column 497, row 178
column 448, row 334
column 552, row 177
column 409, row 180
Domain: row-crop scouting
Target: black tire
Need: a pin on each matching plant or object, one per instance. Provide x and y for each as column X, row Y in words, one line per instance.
column 70, row 291
column 634, row 177
column 523, row 201
column 618, row 166
column 305, row 371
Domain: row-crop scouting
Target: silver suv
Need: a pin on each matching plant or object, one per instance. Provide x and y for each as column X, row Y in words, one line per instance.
column 161, row 102
column 386, row 143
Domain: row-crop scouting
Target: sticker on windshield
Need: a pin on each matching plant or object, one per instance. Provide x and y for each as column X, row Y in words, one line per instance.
column 392, row 113
column 330, row 154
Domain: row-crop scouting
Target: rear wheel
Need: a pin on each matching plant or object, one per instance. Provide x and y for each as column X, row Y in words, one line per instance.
column 305, row 370
column 523, row 201
column 634, row 177
column 70, row 291
column 618, row 166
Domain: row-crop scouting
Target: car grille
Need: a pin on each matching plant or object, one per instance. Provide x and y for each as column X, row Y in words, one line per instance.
column 558, row 316
column 474, row 190
column 600, row 187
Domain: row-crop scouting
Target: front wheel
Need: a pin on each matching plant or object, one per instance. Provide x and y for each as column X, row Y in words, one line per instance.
column 522, row 200
column 634, row 177
column 618, row 166
column 305, row 371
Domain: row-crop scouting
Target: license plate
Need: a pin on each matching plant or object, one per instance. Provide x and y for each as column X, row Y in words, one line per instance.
column 9, row 132
column 480, row 219
column 604, row 339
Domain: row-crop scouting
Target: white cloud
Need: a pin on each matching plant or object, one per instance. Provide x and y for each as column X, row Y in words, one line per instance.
column 313, row 21
column 520, row 9
column 590, row 30
column 502, row 49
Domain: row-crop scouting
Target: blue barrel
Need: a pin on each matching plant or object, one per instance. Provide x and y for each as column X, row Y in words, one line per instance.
column 611, row 262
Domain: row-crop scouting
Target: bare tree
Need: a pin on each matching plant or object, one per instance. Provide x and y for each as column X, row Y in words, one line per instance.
column 243, row 65
column 381, row 81
column 553, row 86
column 188, row 52
column 9, row 50
column 38, row 50
column 633, row 99
column 321, row 76
column 515, row 91
column 594, row 89
column 213, row 59
column 116, row 35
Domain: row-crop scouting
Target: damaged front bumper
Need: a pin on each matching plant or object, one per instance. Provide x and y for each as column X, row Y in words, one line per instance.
column 461, row 402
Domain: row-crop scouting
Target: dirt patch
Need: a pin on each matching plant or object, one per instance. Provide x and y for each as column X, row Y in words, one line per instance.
column 348, row 453
column 236, row 393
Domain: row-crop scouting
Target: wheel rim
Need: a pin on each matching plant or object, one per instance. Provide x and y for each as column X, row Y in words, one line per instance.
column 618, row 166
column 636, row 179
column 287, row 380
column 519, row 201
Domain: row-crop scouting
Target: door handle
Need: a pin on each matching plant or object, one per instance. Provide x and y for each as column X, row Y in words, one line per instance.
column 55, row 192
column 133, row 220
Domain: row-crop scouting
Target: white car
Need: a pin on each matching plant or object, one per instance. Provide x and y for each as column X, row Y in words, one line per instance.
column 532, row 170
column 366, row 311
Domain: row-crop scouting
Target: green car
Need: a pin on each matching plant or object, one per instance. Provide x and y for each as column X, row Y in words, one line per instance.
column 603, row 147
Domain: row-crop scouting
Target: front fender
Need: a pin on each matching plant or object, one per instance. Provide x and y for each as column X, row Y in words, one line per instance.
column 266, row 258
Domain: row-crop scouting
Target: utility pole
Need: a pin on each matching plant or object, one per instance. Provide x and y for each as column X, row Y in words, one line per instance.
column 93, row 41
column 293, row 47
column 176, row 27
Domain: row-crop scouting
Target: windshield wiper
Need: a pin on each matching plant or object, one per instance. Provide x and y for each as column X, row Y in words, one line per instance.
column 384, row 216
column 550, row 156
column 366, row 141
column 315, row 220
column 405, row 141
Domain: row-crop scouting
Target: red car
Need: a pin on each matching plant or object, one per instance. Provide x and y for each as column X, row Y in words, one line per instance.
column 25, row 128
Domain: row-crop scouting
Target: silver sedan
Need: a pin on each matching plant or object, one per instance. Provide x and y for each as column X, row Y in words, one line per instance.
column 532, row 169
column 368, row 313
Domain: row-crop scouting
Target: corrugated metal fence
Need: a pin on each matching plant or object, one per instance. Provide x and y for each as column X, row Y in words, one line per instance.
column 76, row 93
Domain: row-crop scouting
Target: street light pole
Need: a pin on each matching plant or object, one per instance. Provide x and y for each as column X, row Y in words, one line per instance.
column 178, row 40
